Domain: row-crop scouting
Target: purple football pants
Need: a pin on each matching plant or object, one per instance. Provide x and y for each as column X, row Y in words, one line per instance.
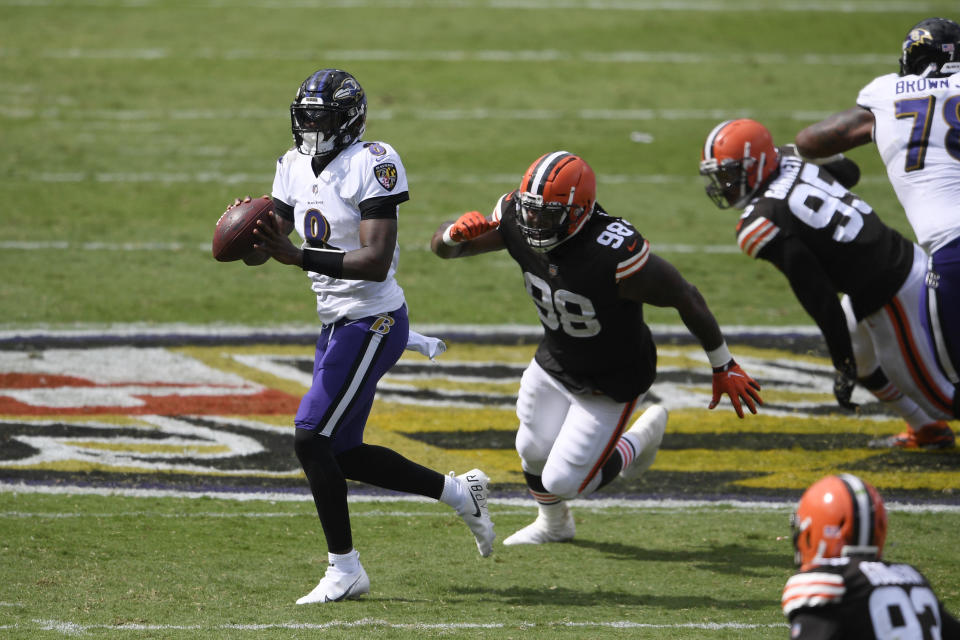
column 351, row 357
column 943, row 307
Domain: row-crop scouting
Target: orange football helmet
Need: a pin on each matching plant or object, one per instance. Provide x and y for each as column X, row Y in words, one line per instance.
column 736, row 159
column 838, row 516
column 556, row 198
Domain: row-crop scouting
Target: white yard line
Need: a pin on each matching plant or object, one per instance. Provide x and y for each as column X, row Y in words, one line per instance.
column 153, row 117
column 74, row 628
column 646, row 504
column 458, row 56
column 678, row 6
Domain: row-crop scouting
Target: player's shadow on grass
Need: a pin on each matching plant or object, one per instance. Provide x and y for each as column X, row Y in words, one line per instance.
column 731, row 559
column 558, row 596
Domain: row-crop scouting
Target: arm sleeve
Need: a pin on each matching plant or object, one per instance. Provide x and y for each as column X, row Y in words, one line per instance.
column 383, row 207
column 814, row 291
column 282, row 209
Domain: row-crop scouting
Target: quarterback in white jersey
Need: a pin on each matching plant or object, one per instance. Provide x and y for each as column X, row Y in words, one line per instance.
column 342, row 196
column 914, row 117
column 327, row 209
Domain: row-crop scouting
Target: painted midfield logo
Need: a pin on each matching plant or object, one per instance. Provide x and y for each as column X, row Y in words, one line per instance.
column 193, row 416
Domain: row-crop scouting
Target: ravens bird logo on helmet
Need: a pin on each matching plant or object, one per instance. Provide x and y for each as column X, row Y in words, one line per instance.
column 931, row 49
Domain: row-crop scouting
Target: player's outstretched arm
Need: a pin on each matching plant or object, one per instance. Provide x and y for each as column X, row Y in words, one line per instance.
column 837, row 133
column 818, row 297
column 660, row 284
column 468, row 235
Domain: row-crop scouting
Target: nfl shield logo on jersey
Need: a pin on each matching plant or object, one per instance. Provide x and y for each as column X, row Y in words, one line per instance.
column 386, row 175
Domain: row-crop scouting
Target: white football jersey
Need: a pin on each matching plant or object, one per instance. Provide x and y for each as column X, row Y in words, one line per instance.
column 326, row 213
column 917, row 132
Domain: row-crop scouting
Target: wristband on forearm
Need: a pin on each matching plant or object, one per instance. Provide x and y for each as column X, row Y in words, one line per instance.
column 325, row 261
column 719, row 357
column 447, row 240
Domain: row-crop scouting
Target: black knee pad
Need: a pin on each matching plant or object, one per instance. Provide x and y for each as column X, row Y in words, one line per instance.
column 311, row 446
column 876, row 380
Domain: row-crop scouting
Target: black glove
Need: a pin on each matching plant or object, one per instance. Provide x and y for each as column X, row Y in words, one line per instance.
column 844, row 380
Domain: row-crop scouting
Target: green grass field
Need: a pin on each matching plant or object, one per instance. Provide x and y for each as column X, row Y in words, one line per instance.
column 135, row 568
column 127, row 126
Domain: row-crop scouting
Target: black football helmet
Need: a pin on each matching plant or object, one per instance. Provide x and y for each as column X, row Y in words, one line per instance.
column 931, row 48
column 328, row 113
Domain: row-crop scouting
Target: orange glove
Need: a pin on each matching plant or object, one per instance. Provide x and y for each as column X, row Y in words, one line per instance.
column 467, row 227
column 733, row 381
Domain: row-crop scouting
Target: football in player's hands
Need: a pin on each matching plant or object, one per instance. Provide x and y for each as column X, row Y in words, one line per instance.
column 233, row 238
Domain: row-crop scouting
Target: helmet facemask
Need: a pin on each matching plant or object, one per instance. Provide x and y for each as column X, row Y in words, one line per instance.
column 320, row 130
column 728, row 182
column 544, row 225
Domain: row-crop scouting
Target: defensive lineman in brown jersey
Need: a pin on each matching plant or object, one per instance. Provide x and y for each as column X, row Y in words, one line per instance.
column 588, row 274
column 844, row 589
column 801, row 217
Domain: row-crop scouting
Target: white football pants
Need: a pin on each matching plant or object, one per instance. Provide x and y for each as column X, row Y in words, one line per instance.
column 565, row 438
column 894, row 339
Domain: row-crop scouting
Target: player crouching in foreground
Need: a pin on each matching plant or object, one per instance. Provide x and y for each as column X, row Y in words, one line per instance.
column 342, row 196
column 588, row 274
column 844, row 589
column 800, row 217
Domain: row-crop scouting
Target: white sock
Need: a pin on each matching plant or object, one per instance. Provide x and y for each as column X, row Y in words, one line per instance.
column 345, row 562
column 903, row 406
column 554, row 513
column 455, row 495
column 644, row 449
column 629, row 447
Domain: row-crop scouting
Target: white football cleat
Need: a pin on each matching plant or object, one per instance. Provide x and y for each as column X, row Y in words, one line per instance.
column 338, row 585
column 476, row 515
column 646, row 435
column 559, row 528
